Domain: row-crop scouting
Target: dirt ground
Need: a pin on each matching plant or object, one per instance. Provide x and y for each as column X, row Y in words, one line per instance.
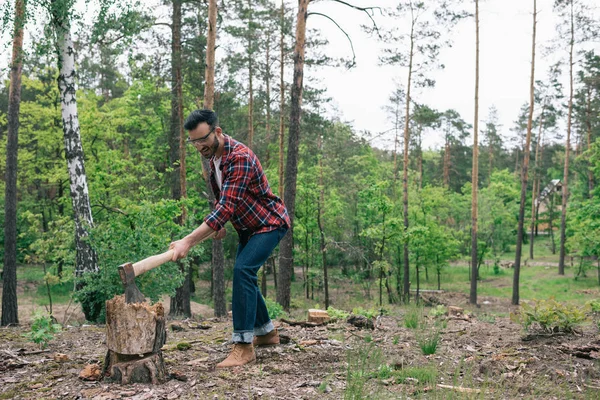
column 485, row 357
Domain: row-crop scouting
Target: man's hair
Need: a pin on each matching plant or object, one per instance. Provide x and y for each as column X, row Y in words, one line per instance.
column 196, row 117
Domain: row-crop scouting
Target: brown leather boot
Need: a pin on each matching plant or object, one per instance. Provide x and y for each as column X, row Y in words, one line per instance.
column 270, row 339
column 241, row 354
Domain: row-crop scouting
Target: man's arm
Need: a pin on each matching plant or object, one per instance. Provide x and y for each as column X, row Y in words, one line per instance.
column 182, row 247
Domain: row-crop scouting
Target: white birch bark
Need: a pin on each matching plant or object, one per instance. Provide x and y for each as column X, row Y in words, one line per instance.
column 86, row 258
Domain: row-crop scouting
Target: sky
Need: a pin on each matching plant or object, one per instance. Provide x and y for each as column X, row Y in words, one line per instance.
column 360, row 94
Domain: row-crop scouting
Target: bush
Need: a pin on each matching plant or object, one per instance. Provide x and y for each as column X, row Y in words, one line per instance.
column 549, row 316
column 337, row 315
column 274, row 308
column 43, row 329
column 438, row 311
column 143, row 230
column 370, row 313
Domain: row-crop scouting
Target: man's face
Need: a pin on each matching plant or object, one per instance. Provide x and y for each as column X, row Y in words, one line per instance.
column 205, row 139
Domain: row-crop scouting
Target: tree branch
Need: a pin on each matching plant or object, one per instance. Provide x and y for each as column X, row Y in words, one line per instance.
column 347, row 36
column 366, row 10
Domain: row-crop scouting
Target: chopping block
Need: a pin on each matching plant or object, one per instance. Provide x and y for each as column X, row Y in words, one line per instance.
column 135, row 334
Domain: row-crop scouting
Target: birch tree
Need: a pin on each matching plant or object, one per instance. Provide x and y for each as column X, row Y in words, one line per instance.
column 86, row 258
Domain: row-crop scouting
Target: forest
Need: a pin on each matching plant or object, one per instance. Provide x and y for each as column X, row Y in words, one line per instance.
column 465, row 270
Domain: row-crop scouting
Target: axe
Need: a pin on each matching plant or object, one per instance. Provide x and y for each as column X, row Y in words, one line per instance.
column 129, row 271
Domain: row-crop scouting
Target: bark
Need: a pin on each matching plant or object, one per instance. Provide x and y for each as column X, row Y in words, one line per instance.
column 525, row 167
column 406, row 282
column 9, row 279
column 281, row 102
column 447, row 162
column 321, row 204
column 536, row 188
column 135, row 334
column 180, row 303
column 218, row 259
column 268, row 99
column 565, row 187
column 286, row 261
column 475, row 170
column 86, row 258
column 588, row 123
column 250, row 76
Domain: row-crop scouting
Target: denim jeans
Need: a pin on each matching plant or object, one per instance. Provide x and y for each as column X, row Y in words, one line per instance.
column 250, row 316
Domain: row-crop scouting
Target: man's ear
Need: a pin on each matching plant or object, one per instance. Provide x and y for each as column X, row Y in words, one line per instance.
column 218, row 130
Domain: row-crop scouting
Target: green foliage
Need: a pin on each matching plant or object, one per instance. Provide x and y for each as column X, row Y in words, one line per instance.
column 138, row 232
column 413, row 317
column 549, row 316
column 594, row 305
column 274, row 308
column 487, row 318
column 337, row 315
column 428, row 339
column 424, row 375
column 364, row 363
column 183, row 346
column 370, row 313
column 43, row 329
column 438, row 311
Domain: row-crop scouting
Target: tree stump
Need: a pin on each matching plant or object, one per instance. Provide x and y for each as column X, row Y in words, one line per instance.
column 135, row 334
column 318, row 316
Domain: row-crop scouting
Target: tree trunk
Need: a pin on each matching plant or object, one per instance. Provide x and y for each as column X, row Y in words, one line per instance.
column 180, row 303
column 525, row 167
column 588, row 122
column 475, row 170
column 281, row 102
column 10, row 313
column 534, row 193
column 406, row 282
column 447, row 162
column 218, row 259
column 250, row 76
column 86, row 258
column 565, row 187
column 268, row 98
column 321, row 204
column 286, row 261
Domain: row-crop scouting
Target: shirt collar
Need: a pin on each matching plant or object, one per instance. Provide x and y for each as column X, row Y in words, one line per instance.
column 227, row 147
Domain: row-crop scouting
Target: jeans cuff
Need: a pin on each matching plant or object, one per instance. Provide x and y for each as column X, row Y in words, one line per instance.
column 263, row 330
column 242, row 337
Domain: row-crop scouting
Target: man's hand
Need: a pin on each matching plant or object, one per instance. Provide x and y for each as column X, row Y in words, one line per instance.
column 220, row 234
column 180, row 249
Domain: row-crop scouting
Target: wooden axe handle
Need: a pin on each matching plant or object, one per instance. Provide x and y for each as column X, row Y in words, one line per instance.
column 152, row 262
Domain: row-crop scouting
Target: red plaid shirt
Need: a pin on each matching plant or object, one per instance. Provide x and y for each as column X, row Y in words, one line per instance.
column 245, row 197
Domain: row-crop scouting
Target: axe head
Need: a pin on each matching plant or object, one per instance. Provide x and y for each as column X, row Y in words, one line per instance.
column 132, row 292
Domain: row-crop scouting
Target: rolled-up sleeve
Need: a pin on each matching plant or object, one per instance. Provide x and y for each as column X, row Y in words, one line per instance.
column 236, row 178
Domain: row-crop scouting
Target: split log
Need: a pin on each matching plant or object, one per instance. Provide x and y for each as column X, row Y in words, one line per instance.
column 135, row 334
